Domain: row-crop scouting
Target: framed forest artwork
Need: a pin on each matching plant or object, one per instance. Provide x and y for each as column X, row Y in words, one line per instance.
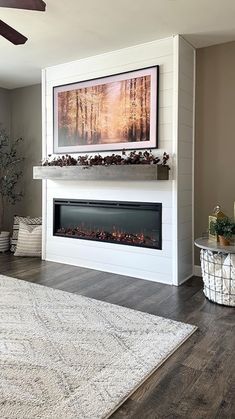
column 110, row 113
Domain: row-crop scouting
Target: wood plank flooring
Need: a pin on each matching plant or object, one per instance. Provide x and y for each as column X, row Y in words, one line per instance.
column 196, row 382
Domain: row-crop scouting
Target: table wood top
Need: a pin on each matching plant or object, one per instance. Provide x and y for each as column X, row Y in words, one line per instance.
column 213, row 245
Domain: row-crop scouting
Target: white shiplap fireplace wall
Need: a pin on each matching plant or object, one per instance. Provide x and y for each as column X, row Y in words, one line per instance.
column 174, row 263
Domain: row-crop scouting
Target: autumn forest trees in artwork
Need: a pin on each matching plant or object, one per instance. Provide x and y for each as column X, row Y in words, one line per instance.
column 115, row 112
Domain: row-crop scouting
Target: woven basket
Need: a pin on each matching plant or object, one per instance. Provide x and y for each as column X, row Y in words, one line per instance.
column 218, row 272
column 4, row 241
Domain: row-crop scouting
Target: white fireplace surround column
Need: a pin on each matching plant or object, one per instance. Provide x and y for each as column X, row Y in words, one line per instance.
column 174, row 263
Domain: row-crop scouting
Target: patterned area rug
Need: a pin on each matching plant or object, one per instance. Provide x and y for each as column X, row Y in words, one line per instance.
column 71, row 357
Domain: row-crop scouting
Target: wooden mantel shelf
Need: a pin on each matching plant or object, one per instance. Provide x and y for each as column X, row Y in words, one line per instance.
column 108, row 173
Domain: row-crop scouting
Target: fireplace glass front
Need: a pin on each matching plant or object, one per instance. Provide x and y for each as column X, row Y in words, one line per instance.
column 128, row 223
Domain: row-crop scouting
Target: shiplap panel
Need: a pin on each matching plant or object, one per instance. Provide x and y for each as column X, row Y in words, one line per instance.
column 185, row 167
column 185, row 214
column 150, row 264
column 185, row 248
column 186, row 83
column 165, row 98
column 186, row 101
column 185, row 133
column 185, row 230
column 123, row 57
column 165, row 132
column 185, row 197
column 185, row 116
column 84, row 253
column 165, row 115
column 143, row 263
column 118, row 268
column 185, row 181
column 185, row 268
column 185, row 149
column 166, row 82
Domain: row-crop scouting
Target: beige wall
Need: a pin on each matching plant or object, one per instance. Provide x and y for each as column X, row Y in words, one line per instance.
column 25, row 109
column 5, row 108
column 215, row 133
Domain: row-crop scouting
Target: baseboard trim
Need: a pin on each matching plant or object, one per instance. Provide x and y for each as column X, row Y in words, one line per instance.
column 186, row 279
column 197, row 270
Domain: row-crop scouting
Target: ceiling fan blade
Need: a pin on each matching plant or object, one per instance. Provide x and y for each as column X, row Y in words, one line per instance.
column 11, row 34
column 38, row 5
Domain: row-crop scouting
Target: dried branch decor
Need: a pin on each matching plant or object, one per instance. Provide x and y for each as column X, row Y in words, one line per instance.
column 10, row 172
column 132, row 158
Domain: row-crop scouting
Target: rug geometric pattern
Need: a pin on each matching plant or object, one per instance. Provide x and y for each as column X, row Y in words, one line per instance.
column 67, row 356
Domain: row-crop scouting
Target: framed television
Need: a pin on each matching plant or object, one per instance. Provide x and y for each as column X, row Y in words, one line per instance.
column 110, row 113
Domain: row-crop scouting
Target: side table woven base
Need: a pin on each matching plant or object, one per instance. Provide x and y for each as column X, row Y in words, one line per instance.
column 218, row 272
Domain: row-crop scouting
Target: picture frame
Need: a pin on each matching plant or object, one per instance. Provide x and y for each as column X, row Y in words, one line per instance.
column 109, row 113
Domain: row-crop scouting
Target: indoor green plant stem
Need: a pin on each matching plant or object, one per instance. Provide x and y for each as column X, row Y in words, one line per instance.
column 224, row 228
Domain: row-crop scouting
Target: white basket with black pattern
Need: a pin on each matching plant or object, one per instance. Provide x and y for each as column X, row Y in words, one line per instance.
column 218, row 272
column 4, row 241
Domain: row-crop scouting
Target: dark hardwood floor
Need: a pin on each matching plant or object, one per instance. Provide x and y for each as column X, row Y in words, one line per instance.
column 198, row 381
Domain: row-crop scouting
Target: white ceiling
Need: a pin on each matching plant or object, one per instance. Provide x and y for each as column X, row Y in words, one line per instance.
column 74, row 29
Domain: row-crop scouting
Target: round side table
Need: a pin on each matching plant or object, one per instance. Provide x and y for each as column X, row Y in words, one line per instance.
column 218, row 271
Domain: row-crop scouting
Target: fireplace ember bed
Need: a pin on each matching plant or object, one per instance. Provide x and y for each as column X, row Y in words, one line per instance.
column 128, row 223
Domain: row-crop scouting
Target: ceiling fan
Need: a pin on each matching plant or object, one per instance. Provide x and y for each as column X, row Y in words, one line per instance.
column 10, row 33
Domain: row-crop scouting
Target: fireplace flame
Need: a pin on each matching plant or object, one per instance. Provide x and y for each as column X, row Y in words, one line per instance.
column 114, row 236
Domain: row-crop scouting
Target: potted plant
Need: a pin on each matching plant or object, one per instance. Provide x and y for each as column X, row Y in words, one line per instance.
column 10, row 173
column 224, row 228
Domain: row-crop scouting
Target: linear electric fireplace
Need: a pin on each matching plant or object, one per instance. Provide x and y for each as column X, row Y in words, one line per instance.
column 130, row 223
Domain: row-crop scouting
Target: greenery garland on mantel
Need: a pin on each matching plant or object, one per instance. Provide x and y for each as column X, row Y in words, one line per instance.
column 131, row 158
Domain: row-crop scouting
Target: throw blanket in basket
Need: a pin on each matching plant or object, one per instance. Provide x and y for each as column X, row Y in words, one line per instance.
column 218, row 271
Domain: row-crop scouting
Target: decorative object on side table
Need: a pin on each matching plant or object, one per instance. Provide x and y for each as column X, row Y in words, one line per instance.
column 224, row 228
column 217, row 214
column 10, row 173
column 109, row 113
